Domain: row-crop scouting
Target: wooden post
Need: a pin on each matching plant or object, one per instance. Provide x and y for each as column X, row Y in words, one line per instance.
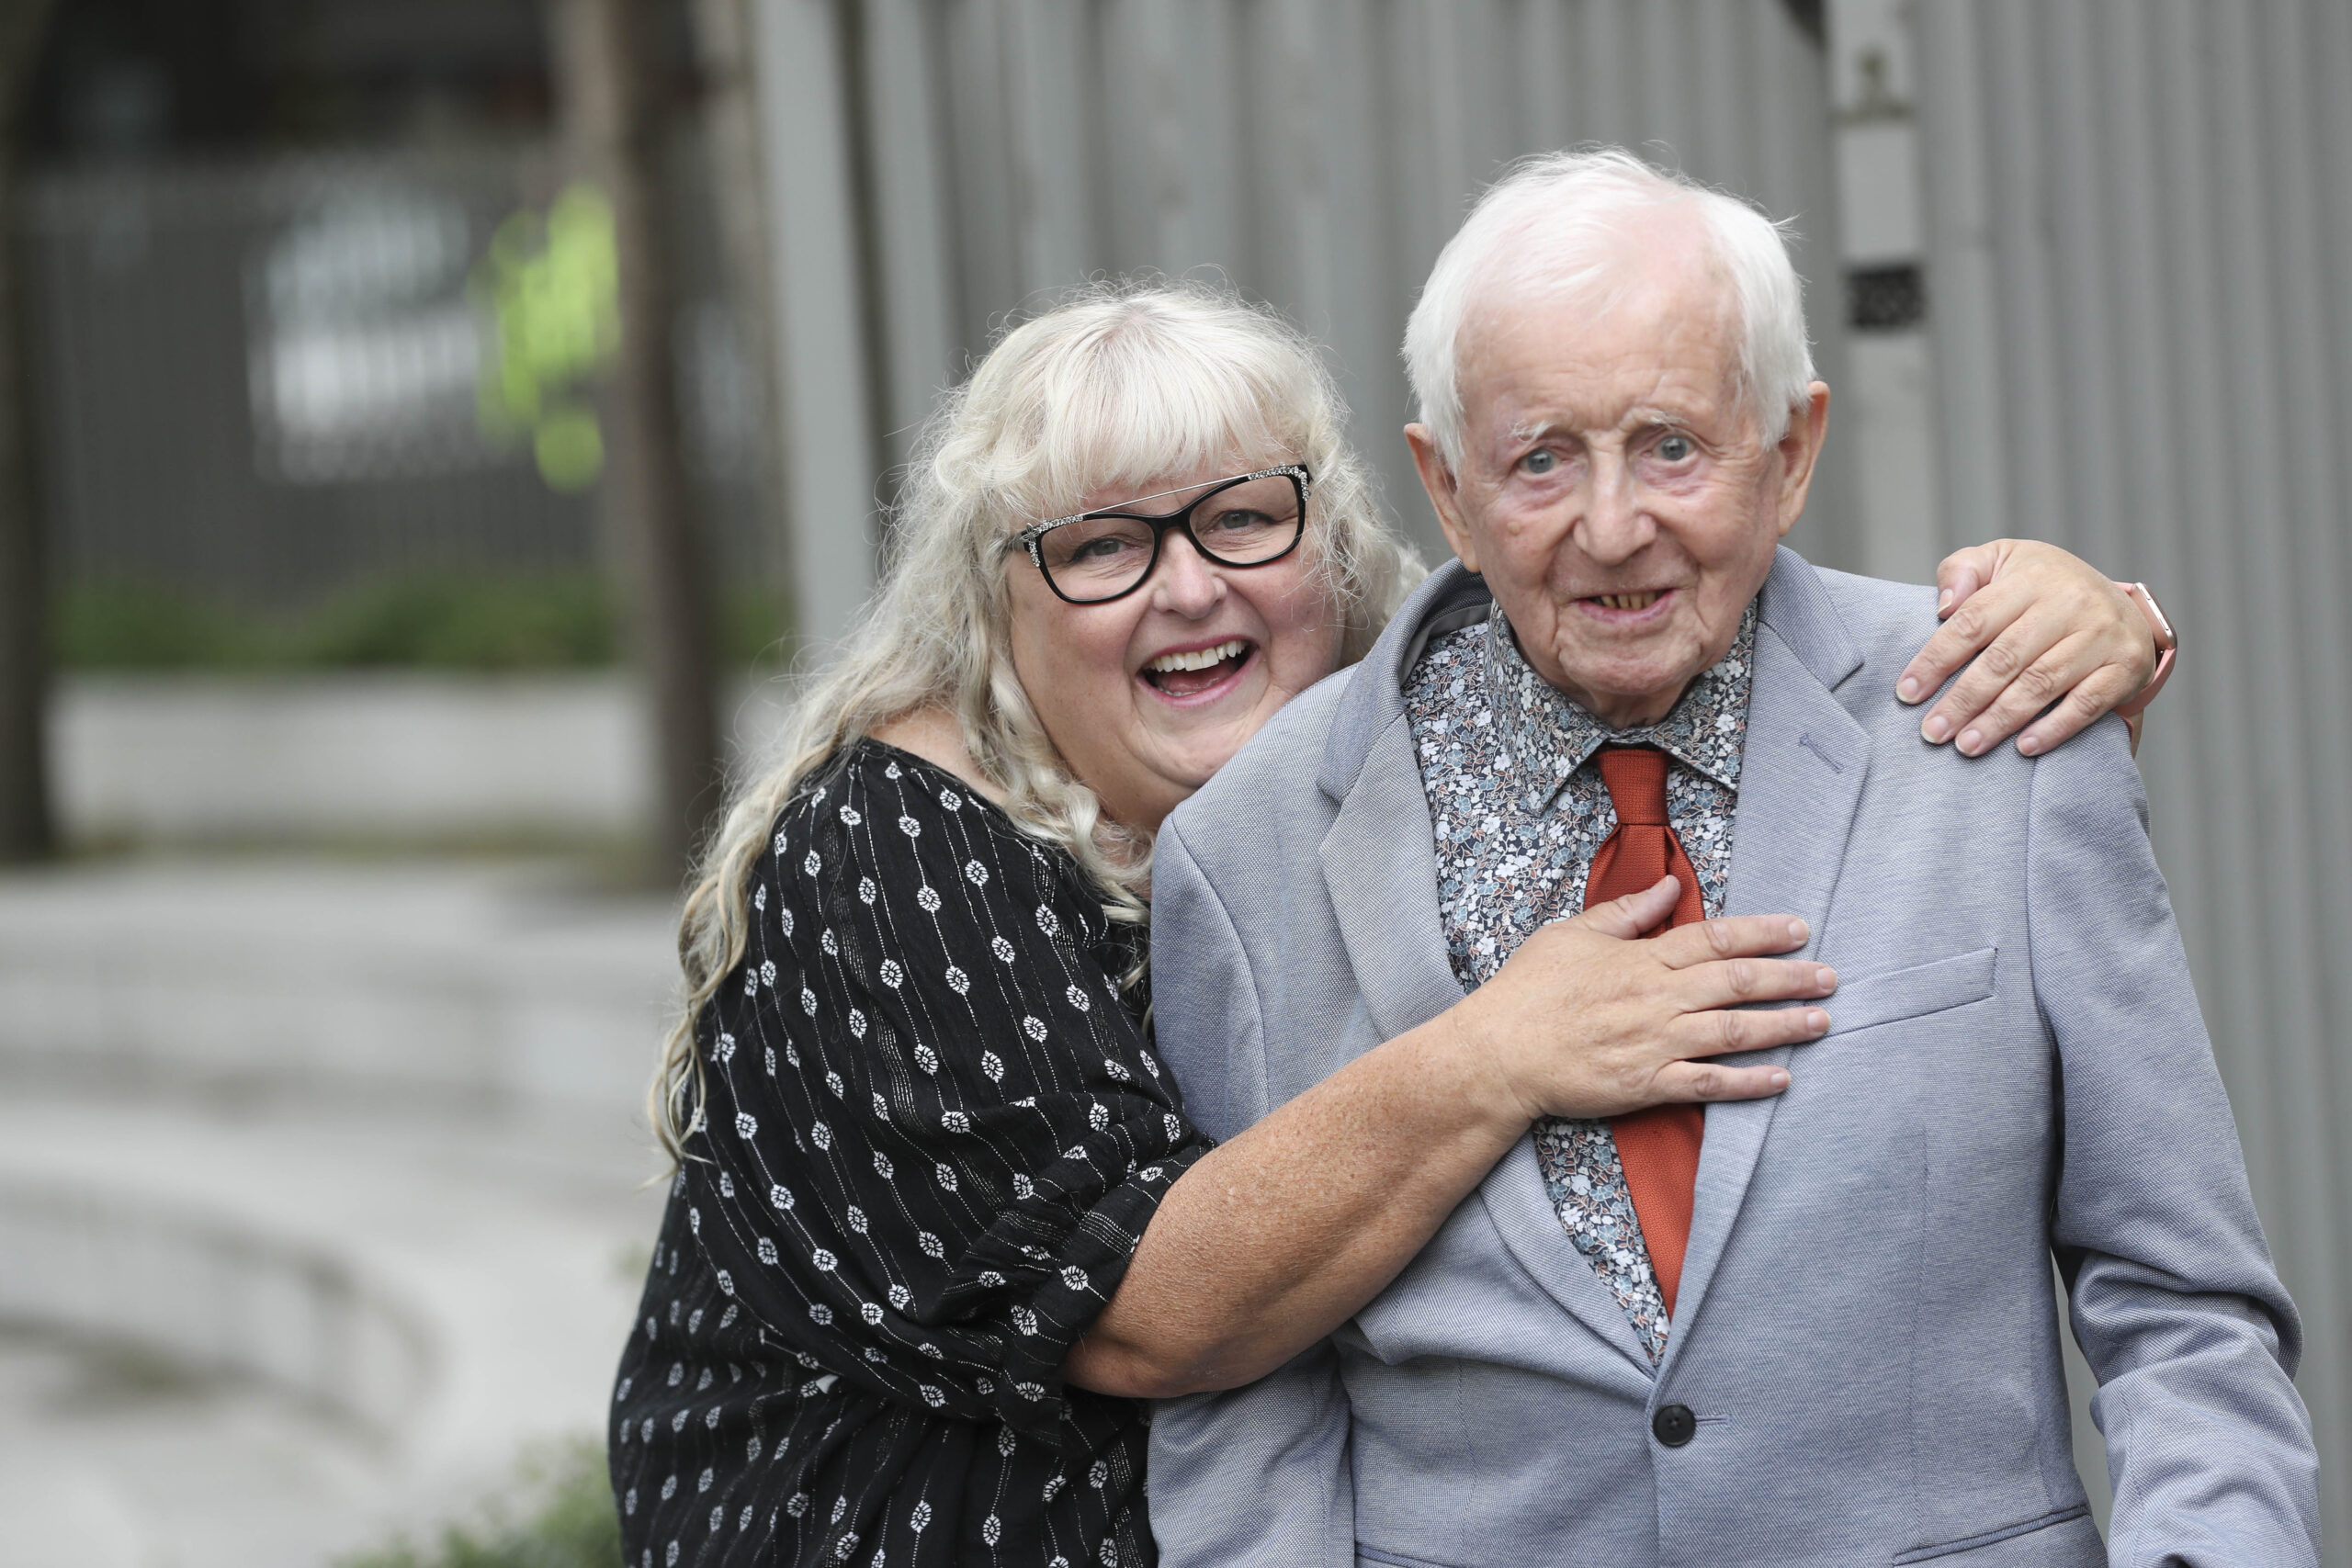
column 28, row 829
column 607, row 66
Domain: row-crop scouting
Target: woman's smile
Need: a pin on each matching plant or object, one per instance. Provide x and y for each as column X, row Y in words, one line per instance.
column 1196, row 675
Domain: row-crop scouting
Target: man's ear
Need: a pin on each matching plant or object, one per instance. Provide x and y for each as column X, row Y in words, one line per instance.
column 1800, row 452
column 1444, row 491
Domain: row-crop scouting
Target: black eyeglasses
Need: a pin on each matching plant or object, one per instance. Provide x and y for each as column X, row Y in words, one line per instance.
column 1249, row 520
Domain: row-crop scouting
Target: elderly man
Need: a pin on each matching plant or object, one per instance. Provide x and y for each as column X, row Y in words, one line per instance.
column 1813, row 1330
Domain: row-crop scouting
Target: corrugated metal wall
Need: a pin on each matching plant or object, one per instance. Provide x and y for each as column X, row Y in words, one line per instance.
column 2133, row 345
column 1315, row 152
column 2138, row 225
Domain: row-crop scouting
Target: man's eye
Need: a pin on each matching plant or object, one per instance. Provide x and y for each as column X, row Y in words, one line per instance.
column 1541, row 461
column 1675, row 449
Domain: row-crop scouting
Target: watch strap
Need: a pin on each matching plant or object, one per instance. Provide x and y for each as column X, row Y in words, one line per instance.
column 2168, row 647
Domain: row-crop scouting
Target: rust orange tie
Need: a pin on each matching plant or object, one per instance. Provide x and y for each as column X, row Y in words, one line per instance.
column 1658, row 1147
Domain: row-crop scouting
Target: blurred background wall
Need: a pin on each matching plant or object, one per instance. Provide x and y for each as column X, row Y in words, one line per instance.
column 331, row 563
column 2140, row 347
column 2069, row 270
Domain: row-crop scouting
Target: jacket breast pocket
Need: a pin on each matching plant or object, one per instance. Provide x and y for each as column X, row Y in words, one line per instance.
column 1897, row 995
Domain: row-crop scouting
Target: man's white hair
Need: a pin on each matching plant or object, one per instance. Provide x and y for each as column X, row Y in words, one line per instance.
column 1554, row 224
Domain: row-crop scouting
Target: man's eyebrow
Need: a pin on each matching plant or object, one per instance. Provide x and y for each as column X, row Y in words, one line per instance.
column 1641, row 417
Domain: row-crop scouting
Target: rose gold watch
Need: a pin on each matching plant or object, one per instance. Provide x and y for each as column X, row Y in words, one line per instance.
column 2168, row 644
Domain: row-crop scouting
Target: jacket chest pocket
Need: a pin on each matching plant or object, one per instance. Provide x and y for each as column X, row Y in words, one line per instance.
column 1899, row 994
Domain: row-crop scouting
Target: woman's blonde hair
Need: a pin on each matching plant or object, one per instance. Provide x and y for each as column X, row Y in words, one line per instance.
column 1122, row 383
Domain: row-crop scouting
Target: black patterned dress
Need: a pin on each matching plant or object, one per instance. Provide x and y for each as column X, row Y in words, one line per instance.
column 935, row 1134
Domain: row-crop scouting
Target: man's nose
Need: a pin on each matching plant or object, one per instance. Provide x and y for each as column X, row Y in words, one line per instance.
column 1184, row 581
column 1615, row 525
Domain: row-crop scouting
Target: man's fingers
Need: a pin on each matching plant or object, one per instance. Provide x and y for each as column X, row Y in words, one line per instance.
column 1728, row 936
column 1630, row 916
column 1687, row 1083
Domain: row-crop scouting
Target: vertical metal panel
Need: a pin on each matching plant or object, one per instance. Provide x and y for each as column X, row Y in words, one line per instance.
column 1355, row 302
column 822, row 377
column 979, row 160
column 1318, row 152
column 1547, row 59
column 921, row 347
column 1049, row 80
column 2136, row 351
column 2134, row 207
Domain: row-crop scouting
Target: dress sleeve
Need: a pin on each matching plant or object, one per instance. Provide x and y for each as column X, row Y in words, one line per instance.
column 933, row 1134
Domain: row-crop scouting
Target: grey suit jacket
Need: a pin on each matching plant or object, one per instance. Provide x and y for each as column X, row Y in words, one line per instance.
column 1867, row 1331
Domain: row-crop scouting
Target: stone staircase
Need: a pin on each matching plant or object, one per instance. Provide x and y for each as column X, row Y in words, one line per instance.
column 356, row 1147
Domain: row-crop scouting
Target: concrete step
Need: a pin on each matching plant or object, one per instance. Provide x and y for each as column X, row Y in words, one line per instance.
column 370, row 757
column 389, row 1313
column 354, row 1150
column 468, row 985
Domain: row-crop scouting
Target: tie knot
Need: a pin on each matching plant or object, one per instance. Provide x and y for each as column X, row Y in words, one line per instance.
column 1636, row 779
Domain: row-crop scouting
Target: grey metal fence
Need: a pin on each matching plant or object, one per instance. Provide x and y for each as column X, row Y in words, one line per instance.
column 1315, row 153
column 2128, row 246
column 2137, row 224
column 258, row 378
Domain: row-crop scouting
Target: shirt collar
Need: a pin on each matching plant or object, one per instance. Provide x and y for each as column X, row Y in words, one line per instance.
column 1549, row 737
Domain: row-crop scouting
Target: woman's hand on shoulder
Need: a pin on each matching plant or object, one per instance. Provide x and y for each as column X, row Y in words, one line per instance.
column 1587, row 1019
column 2042, row 627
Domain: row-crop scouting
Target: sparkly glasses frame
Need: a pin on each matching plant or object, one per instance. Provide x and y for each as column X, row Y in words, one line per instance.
column 1028, row 539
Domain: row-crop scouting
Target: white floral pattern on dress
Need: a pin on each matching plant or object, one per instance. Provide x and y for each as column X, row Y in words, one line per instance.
column 1518, row 815
column 901, row 1287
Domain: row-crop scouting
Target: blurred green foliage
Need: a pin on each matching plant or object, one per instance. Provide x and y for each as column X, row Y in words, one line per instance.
column 433, row 621
column 559, row 1516
column 552, row 283
column 133, row 626
column 462, row 624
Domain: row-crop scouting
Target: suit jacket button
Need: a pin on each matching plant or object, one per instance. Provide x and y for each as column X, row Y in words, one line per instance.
column 1675, row 1425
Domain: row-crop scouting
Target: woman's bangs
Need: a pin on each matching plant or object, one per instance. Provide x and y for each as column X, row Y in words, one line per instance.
column 1139, row 421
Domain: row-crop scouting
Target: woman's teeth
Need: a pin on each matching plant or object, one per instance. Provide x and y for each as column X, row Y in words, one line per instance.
column 1199, row 658
column 1628, row 601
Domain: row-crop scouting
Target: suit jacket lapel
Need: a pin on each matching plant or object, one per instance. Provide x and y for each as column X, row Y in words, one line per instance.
column 1380, row 864
column 1801, row 779
column 1380, row 856
column 1522, row 1213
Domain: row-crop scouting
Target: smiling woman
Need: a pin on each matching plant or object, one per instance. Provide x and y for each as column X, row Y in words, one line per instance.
column 941, row 1219
column 1149, row 690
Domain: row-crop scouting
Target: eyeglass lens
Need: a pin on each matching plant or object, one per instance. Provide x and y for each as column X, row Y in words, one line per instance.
column 1246, row 525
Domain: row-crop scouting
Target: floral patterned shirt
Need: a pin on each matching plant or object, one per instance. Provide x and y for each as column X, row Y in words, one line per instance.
column 1518, row 812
